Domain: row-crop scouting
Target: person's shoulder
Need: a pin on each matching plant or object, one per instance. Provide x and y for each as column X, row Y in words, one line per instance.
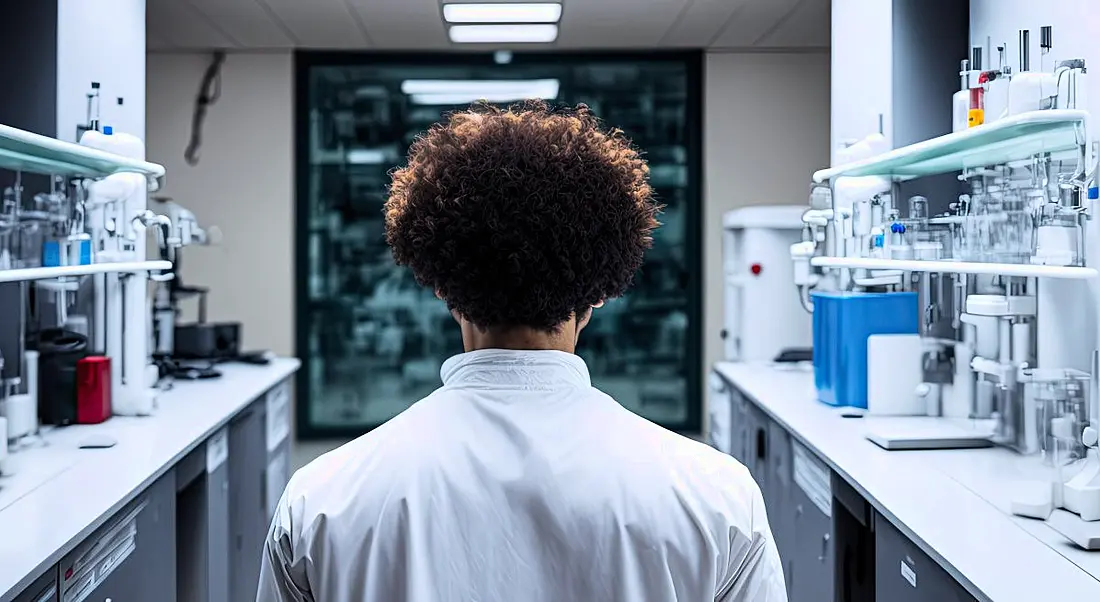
column 372, row 462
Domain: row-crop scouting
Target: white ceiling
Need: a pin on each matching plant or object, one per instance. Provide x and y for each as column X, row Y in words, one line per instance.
column 418, row 25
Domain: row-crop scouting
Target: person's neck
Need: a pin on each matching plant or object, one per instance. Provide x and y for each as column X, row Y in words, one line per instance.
column 520, row 338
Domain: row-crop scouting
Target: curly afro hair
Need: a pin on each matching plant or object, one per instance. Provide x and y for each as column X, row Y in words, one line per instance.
column 522, row 217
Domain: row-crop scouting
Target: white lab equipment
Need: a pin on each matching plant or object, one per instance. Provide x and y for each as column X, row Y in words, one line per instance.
column 893, row 375
column 763, row 312
column 116, row 209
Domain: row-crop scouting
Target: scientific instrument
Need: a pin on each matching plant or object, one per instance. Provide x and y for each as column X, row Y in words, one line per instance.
column 763, row 313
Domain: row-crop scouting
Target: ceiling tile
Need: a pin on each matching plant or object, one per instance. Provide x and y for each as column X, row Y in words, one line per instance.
column 700, row 22
column 321, row 23
column 617, row 23
column 246, row 21
column 752, row 21
column 178, row 25
column 807, row 26
column 402, row 24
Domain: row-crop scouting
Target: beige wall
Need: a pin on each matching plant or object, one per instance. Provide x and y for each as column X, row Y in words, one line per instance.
column 766, row 130
column 244, row 184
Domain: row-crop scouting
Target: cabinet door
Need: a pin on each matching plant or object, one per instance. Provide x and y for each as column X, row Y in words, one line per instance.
column 278, row 475
column 737, row 426
column 758, row 462
column 810, row 565
column 217, row 498
column 719, row 414
column 133, row 557
column 42, row 590
column 778, row 500
column 247, row 500
column 903, row 573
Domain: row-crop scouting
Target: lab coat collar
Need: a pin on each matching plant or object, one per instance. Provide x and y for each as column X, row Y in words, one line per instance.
column 508, row 367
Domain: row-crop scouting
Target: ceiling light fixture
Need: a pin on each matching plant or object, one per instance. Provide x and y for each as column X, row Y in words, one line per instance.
column 510, row 12
column 503, row 34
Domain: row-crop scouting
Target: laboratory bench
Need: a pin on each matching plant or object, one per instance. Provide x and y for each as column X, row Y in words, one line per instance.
column 176, row 510
column 854, row 522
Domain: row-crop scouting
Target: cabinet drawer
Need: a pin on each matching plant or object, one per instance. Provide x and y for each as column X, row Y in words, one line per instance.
column 904, row 573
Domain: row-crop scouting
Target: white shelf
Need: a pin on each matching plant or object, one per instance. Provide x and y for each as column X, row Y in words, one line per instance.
column 82, row 270
column 25, row 151
column 958, row 267
column 1010, row 139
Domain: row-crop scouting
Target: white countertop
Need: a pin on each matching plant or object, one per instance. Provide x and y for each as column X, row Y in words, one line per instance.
column 85, row 487
column 952, row 503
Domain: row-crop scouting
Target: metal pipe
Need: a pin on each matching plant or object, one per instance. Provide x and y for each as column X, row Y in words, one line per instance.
column 804, row 297
column 1025, row 51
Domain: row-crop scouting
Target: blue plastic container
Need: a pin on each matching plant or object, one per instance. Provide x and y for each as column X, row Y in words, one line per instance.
column 842, row 323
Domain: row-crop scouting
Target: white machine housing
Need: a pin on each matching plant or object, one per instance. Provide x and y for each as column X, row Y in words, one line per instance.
column 117, row 213
column 763, row 314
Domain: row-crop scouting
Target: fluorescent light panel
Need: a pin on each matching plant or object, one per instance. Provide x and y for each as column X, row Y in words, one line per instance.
column 543, row 88
column 465, row 99
column 458, row 92
column 365, row 157
column 503, row 34
column 503, row 12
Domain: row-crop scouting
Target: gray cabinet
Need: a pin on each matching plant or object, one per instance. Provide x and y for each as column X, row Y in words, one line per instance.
column 133, row 556
column 853, row 544
column 44, row 589
column 810, row 562
column 758, row 462
column 202, row 522
column 247, row 500
column 903, row 573
column 778, row 498
column 740, row 427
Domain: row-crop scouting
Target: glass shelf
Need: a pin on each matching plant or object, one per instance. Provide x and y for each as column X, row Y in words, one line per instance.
column 24, row 274
column 29, row 152
column 1010, row 139
column 958, row 267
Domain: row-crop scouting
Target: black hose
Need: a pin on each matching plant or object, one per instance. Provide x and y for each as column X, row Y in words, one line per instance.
column 209, row 92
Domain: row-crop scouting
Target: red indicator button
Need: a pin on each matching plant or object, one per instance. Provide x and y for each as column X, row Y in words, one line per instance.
column 755, row 269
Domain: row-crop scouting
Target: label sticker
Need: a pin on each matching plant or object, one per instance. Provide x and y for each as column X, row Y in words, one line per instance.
column 217, row 449
column 908, row 573
column 278, row 414
column 101, row 559
column 812, row 477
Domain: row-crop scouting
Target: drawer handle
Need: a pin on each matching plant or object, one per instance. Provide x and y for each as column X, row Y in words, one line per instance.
column 824, row 547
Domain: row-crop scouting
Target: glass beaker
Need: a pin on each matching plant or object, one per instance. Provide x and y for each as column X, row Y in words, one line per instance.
column 1057, row 236
column 1061, row 408
column 1005, row 225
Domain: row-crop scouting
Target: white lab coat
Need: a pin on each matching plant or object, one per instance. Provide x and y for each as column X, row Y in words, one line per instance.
column 519, row 482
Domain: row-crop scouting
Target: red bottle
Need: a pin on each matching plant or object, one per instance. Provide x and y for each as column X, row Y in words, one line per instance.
column 93, row 389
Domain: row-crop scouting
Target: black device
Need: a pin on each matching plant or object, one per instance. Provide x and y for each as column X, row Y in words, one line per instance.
column 794, row 355
column 59, row 351
column 207, row 341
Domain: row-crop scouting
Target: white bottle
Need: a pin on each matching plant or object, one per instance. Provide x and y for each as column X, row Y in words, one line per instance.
column 960, row 106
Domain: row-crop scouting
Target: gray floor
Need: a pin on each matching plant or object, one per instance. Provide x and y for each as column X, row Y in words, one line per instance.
column 305, row 452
